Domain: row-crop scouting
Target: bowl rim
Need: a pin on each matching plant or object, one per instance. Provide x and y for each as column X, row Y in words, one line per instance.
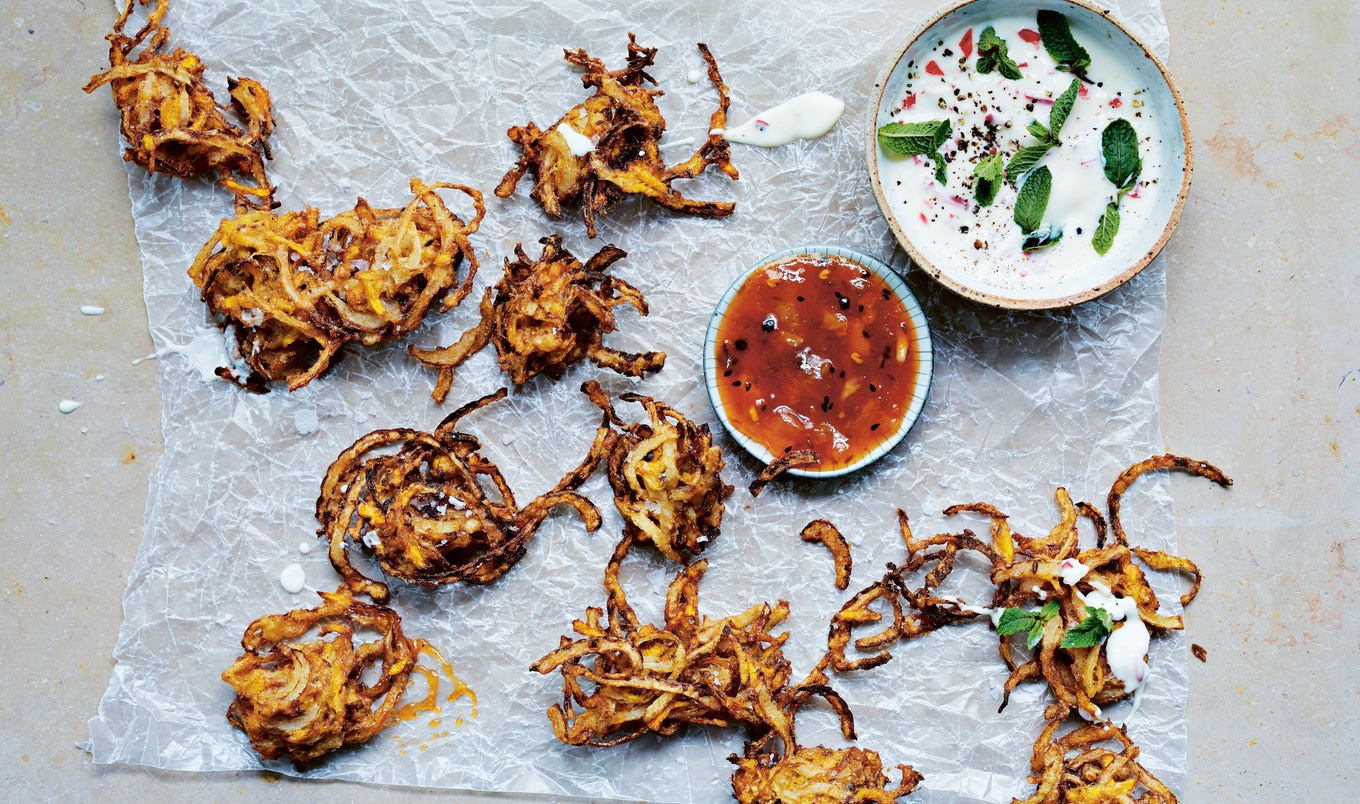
column 994, row 299
column 925, row 368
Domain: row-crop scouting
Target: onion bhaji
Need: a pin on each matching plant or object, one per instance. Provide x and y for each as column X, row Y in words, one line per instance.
column 819, row 775
column 666, row 474
column 545, row 315
column 295, row 289
column 1093, row 775
column 1069, row 647
column 608, row 146
column 822, row 531
column 172, row 122
column 623, row 679
column 423, row 511
column 306, row 696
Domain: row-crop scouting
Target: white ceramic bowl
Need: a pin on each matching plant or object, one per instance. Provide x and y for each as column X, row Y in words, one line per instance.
column 903, row 295
column 984, row 276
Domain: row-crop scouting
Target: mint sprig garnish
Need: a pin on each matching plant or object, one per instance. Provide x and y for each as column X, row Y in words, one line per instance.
column 993, row 54
column 917, row 139
column 1123, row 166
column 1026, row 158
column 1014, row 620
column 988, row 174
column 1089, row 632
column 1056, row 35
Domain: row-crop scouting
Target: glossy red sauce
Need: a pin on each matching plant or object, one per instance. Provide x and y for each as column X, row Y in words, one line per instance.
column 816, row 353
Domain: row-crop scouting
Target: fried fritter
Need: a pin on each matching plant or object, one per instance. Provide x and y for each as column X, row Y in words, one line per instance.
column 1093, row 775
column 1052, row 569
column 819, row 775
column 295, row 289
column 306, row 697
column 666, row 474
column 172, row 122
column 623, row 679
column 423, row 512
column 608, row 146
column 545, row 315
column 1080, row 647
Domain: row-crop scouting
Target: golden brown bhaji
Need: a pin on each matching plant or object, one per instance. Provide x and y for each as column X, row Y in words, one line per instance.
column 780, row 465
column 307, row 696
column 545, row 315
column 423, row 512
column 622, row 679
column 819, row 775
column 666, row 474
column 1074, row 769
column 623, row 128
column 172, row 122
column 294, row 289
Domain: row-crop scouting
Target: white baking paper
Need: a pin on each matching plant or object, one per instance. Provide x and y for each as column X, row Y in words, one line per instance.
column 369, row 94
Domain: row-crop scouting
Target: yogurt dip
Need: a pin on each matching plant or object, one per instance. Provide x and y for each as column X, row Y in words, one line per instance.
column 937, row 78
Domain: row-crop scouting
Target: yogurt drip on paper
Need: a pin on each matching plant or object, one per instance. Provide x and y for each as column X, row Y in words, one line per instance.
column 805, row 117
column 293, row 578
column 205, row 352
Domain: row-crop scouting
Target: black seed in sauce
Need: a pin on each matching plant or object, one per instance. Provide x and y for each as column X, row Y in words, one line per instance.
column 739, row 344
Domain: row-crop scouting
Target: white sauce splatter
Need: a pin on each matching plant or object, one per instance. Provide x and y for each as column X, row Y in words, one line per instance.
column 305, row 548
column 372, row 541
column 694, row 76
column 676, row 143
column 579, row 143
column 805, row 117
column 67, row 405
column 90, row 309
column 205, row 352
column 1072, row 571
column 306, row 421
column 293, row 579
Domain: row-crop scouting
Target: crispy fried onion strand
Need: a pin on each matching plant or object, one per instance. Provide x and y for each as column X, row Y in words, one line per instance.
column 295, row 289
column 1091, row 774
column 545, row 315
column 306, row 697
column 780, row 465
column 171, row 120
column 666, row 474
column 423, row 509
column 820, row 530
column 624, row 127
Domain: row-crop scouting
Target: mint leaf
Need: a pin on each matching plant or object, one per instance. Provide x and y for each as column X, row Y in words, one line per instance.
column 1014, row 620
column 1039, row 131
column 913, row 139
column 941, row 170
column 993, row 54
column 988, row 173
column 1057, row 38
column 1033, row 199
column 1062, row 107
column 1024, row 161
column 1036, row 633
column 1106, row 229
column 1041, row 238
column 1119, row 147
column 1050, row 610
column 1090, row 632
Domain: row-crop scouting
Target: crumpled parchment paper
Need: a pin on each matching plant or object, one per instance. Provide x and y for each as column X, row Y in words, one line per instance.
column 369, row 94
